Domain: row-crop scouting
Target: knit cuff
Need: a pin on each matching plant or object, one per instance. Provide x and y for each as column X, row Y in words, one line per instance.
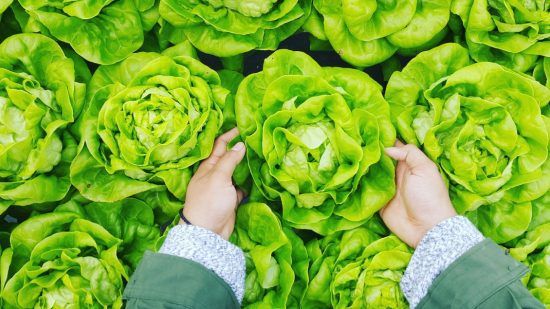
column 440, row 247
column 210, row 250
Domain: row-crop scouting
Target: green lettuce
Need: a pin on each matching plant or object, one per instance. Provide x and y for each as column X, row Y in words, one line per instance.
column 102, row 31
column 4, row 5
column 541, row 72
column 534, row 251
column 512, row 33
column 76, row 256
column 229, row 27
column 482, row 124
column 150, row 119
column 365, row 33
column 40, row 96
column 276, row 259
column 315, row 139
column 356, row 269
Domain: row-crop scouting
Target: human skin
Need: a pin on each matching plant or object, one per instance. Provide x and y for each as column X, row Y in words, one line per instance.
column 212, row 199
column 421, row 200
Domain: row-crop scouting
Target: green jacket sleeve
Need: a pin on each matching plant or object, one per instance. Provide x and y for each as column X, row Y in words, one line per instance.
column 484, row 277
column 166, row 281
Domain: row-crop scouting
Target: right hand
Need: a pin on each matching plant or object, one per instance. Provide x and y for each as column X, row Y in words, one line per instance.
column 422, row 199
column 212, row 199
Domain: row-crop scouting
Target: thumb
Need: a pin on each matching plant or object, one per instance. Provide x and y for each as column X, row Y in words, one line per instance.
column 410, row 154
column 228, row 162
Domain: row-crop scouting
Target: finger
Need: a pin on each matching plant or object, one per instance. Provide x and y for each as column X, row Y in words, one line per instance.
column 220, row 148
column 410, row 154
column 228, row 162
column 399, row 143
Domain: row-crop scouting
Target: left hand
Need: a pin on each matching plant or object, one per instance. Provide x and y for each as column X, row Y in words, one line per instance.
column 212, row 198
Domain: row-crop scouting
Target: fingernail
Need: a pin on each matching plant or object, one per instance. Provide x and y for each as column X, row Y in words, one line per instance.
column 238, row 146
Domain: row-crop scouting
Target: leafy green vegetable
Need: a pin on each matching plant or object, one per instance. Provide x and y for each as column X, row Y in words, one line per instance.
column 315, row 139
column 227, row 28
column 482, row 124
column 541, row 72
column 40, row 95
column 271, row 252
column 103, row 31
column 151, row 118
column 356, row 269
column 365, row 33
column 511, row 33
column 534, row 251
column 4, row 4
column 77, row 255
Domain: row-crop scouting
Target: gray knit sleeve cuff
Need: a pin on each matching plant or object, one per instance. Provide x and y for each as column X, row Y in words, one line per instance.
column 209, row 249
column 439, row 248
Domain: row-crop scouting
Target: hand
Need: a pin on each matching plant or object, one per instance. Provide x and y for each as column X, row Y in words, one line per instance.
column 422, row 199
column 212, row 198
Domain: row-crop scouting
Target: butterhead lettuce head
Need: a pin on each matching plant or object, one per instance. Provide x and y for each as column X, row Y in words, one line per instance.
column 512, row 33
column 230, row 27
column 78, row 256
column 150, row 119
column 365, row 33
column 101, row 31
column 483, row 125
column 315, row 138
column 40, row 96
column 356, row 269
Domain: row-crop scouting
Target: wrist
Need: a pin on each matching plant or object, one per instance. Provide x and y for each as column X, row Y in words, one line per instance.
column 447, row 213
column 189, row 218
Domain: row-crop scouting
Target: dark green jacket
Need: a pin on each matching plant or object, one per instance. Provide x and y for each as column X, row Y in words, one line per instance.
column 484, row 277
